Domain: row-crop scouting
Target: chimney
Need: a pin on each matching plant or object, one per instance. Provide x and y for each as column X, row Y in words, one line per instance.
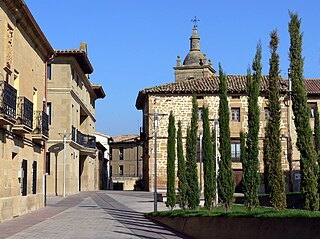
column 83, row 46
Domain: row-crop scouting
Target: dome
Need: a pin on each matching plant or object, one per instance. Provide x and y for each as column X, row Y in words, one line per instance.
column 193, row 58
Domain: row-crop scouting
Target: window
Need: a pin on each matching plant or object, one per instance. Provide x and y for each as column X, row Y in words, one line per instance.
column 236, row 97
column 49, row 71
column 313, row 107
column 235, row 152
column 266, row 113
column 121, row 153
column 110, row 171
column 48, row 163
column 200, row 111
column 24, row 177
column 49, row 111
column 34, row 177
column 235, row 114
column 120, row 170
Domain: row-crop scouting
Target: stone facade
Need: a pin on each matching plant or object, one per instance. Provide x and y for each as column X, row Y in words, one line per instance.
column 71, row 101
column 177, row 97
column 24, row 51
column 125, row 161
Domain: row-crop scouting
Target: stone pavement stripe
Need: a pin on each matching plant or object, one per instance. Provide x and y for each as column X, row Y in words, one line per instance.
column 135, row 221
column 16, row 225
column 85, row 220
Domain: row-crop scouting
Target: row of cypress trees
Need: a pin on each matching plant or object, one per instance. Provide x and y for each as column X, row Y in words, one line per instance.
column 188, row 190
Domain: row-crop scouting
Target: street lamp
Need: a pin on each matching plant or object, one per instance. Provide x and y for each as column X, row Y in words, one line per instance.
column 155, row 124
column 216, row 127
column 201, row 136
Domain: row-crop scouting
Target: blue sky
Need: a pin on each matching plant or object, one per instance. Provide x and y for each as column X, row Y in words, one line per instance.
column 133, row 45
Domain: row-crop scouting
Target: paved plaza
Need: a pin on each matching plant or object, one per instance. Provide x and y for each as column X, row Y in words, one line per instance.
column 101, row 214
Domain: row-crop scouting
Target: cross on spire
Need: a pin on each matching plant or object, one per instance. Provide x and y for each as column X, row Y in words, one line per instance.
column 195, row 20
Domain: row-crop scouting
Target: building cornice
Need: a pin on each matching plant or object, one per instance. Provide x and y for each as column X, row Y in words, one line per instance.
column 25, row 19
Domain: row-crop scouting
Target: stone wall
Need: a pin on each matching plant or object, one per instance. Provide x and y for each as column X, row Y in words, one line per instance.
column 181, row 106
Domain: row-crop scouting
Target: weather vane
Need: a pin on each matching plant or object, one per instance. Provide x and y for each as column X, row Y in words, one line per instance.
column 195, row 20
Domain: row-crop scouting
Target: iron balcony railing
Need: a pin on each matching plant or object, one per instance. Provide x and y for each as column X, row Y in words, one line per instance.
column 83, row 139
column 40, row 123
column 24, row 112
column 8, row 98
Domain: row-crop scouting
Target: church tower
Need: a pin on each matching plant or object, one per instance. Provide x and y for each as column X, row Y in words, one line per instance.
column 195, row 64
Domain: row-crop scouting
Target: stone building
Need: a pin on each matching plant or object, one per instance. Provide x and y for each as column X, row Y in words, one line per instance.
column 71, row 110
column 24, row 51
column 104, row 140
column 177, row 97
column 126, row 161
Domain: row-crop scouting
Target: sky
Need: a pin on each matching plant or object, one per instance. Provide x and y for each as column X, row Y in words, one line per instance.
column 133, row 45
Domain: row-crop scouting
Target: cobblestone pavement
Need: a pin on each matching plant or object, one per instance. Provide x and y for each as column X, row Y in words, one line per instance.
column 101, row 214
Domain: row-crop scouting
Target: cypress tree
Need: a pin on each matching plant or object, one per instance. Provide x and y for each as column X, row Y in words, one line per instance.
column 226, row 182
column 193, row 196
column 266, row 160
column 182, row 183
column 317, row 140
column 171, row 157
column 308, row 165
column 243, row 148
column 251, row 170
column 207, row 160
column 276, row 176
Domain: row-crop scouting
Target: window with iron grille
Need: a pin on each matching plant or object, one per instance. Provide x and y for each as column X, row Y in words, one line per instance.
column 235, row 151
column 121, row 153
column 313, row 107
column 235, row 114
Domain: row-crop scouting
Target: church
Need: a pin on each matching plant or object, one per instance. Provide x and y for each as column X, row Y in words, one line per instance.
column 196, row 76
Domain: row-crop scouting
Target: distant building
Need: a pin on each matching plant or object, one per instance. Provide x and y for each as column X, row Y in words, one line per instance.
column 104, row 140
column 126, row 161
column 177, row 97
column 71, row 109
column 24, row 51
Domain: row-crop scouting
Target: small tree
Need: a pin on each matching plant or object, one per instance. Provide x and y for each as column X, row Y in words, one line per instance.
column 226, row 183
column 193, row 196
column 182, row 183
column 276, row 176
column 251, row 171
column 207, row 160
column 308, row 165
column 171, row 157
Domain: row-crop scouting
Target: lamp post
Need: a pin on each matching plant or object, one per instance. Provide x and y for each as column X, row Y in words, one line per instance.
column 216, row 126
column 201, row 136
column 155, row 124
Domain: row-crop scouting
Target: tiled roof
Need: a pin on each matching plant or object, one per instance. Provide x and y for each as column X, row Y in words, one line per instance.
column 210, row 85
column 126, row 138
column 81, row 57
column 98, row 90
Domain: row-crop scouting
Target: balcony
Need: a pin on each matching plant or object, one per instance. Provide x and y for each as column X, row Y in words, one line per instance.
column 8, row 97
column 84, row 142
column 24, row 119
column 40, row 126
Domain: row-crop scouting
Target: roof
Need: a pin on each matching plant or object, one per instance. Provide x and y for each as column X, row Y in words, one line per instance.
column 80, row 56
column 126, row 138
column 103, row 135
column 21, row 12
column 98, row 90
column 210, row 85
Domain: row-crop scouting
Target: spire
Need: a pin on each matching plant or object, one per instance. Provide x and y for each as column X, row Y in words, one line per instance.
column 195, row 39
